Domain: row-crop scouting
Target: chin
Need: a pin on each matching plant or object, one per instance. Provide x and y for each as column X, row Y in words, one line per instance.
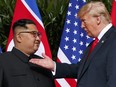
column 89, row 35
column 35, row 49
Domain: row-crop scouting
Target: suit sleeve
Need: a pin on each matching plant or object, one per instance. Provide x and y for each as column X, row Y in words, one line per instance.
column 64, row 70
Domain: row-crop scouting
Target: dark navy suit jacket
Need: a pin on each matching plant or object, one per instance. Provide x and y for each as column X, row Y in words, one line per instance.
column 97, row 70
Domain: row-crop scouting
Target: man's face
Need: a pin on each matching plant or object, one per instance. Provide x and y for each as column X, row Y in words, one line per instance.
column 29, row 39
column 89, row 25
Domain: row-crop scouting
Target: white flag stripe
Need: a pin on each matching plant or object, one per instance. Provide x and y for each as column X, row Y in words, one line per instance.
column 40, row 50
column 11, row 45
column 34, row 15
column 62, row 57
column 63, row 83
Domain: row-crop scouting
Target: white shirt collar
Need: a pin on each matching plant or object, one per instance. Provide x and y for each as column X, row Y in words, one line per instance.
column 104, row 31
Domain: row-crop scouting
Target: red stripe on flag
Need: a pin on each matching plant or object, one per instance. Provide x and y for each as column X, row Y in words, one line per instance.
column 113, row 13
column 70, row 81
column 57, row 84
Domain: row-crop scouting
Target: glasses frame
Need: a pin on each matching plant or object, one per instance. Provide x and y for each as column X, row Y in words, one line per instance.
column 34, row 33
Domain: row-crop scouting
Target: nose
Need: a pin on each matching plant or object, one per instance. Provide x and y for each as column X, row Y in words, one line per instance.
column 38, row 37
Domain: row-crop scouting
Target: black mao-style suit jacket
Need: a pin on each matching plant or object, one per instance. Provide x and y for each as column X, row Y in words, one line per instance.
column 97, row 70
column 16, row 71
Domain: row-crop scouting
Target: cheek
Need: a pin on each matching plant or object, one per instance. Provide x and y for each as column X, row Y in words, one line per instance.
column 30, row 42
column 89, row 30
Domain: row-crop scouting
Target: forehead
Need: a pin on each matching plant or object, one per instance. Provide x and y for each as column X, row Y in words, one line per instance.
column 86, row 16
column 31, row 27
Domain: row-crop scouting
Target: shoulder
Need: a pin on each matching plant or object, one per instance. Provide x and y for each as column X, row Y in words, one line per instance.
column 111, row 33
column 114, row 29
column 5, row 56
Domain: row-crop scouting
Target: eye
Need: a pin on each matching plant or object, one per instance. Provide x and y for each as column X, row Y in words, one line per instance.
column 35, row 34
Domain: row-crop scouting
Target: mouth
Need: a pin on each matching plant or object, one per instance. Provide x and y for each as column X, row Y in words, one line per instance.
column 37, row 42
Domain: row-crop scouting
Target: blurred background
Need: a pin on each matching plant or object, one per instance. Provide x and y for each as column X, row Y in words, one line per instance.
column 53, row 13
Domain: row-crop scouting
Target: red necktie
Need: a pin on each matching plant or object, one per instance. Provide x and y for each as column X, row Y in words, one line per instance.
column 93, row 45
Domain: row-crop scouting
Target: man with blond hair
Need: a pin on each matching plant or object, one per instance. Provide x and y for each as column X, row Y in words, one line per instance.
column 98, row 65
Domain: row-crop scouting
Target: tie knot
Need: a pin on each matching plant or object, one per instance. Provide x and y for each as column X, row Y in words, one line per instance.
column 93, row 44
column 96, row 40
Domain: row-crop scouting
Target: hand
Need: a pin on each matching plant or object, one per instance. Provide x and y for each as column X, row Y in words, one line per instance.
column 46, row 62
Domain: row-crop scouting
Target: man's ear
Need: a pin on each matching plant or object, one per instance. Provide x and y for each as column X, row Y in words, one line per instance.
column 18, row 38
column 98, row 20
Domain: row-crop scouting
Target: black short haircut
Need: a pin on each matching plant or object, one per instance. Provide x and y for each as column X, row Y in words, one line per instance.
column 22, row 23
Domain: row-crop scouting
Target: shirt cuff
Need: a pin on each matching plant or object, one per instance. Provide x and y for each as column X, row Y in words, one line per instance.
column 54, row 71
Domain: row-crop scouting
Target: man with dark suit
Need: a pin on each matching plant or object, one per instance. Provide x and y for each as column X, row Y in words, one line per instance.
column 98, row 68
column 15, row 68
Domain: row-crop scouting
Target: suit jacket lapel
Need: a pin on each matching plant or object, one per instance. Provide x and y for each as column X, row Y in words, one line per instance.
column 86, row 62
